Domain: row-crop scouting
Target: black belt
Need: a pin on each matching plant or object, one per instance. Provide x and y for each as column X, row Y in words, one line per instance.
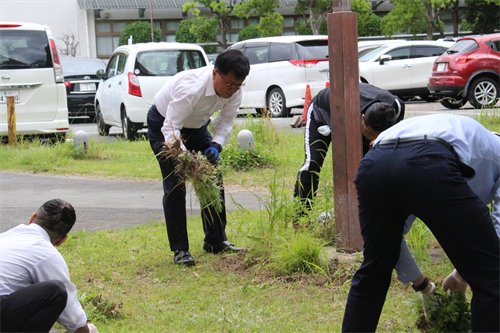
column 408, row 139
column 466, row 170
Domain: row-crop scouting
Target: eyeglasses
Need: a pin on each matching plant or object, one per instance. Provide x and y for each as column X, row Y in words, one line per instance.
column 231, row 85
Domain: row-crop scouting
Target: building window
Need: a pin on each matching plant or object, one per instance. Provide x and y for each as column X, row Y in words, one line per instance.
column 106, row 45
column 253, row 21
column 103, row 27
column 233, row 37
column 288, row 22
column 237, row 24
column 119, row 26
column 170, row 38
column 172, row 25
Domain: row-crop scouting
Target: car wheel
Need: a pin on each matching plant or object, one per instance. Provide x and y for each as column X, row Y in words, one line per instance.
column 452, row 103
column 102, row 128
column 483, row 93
column 276, row 104
column 129, row 129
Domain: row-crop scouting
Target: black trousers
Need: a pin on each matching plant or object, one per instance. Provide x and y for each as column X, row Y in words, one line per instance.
column 316, row 147
column 174, row 189
column 421, row 178
column 34, row 308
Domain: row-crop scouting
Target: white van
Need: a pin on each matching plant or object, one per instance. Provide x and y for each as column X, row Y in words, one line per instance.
column 30, row 71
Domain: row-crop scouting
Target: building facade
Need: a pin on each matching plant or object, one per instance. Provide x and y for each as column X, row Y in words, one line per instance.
column 96, row 25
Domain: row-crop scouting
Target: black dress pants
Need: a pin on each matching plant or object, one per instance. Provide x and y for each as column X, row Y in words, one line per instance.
column 421, row 178
column 174, row 198
column 34, row 308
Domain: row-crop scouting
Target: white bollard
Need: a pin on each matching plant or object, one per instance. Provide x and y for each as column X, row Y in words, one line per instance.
column 81, row 138
column 246, row 140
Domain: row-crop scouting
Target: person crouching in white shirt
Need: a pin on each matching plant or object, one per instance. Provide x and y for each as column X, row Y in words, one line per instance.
column 35, row 287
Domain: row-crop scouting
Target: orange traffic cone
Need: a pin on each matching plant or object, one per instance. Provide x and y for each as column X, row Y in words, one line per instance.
column 306, row 104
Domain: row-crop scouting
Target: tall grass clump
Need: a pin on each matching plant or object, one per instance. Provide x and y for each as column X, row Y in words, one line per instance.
column 418, row 239
column 297, row 253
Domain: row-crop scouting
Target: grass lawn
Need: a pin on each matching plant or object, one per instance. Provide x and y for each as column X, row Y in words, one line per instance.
column 284, row 282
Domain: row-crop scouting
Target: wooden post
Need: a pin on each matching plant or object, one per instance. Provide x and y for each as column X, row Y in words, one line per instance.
column 346, row 122
column 11, row 119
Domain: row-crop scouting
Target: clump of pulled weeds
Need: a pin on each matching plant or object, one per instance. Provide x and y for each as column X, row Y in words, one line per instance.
column 193, row 167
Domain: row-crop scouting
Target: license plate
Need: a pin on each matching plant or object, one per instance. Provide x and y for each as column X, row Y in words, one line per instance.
column 441, row 67
column 4, row 94
column 87, row 87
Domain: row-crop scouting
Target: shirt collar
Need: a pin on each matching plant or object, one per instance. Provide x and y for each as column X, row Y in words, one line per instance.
column 210, row 91
column 38, row 229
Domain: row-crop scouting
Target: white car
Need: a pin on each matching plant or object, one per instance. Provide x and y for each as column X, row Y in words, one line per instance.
column 133, row 76
column 402, row 68
column 30, row 72
column 280, row 70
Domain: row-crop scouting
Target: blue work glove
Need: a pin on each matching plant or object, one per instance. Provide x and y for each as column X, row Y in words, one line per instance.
column 212, row 152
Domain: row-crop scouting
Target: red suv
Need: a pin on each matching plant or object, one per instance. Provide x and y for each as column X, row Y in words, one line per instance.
column 468, row 71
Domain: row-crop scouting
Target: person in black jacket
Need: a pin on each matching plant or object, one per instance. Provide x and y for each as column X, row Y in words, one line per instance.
column 379, row 110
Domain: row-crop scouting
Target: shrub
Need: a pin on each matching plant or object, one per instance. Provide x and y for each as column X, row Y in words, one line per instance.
column 140, row 32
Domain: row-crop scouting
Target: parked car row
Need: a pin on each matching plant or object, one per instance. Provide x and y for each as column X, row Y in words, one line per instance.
column 47, row 87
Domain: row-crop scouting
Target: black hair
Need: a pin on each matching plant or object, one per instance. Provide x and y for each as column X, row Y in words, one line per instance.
column 233, row 61
column 57, row 216
column 380, row 116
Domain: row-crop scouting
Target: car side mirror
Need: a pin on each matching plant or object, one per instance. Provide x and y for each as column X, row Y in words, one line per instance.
column 385, row 58
column 101, row 73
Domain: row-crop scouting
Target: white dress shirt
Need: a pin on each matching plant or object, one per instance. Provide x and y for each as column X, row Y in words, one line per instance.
column 475, row 146
column 188, row 100
column 28, row 257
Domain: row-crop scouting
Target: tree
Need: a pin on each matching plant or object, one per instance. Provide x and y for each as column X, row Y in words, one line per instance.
column 140, row 32
column 368, row 22
column 482, row 16
column 70, row 45
column 252, row 31
column 241, row 8
column 415, row 16
column 271, row 25
column 220, row 10
column 198, row 30
column 314, row 13
column 270, row 22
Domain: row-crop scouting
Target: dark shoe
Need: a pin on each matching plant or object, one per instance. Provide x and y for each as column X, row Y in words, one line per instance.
column 224, row 246
column 183, row 258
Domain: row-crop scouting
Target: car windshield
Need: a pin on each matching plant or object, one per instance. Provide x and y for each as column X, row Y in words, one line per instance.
column 313, row 49
column 167, row 62
column 374, row 54
column 463, row 46
column 24, row 49
column 77, row 66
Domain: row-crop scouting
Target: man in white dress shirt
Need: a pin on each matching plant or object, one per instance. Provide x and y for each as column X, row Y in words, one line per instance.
column 35, row 287
column 182, row 110
column 421, row 167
